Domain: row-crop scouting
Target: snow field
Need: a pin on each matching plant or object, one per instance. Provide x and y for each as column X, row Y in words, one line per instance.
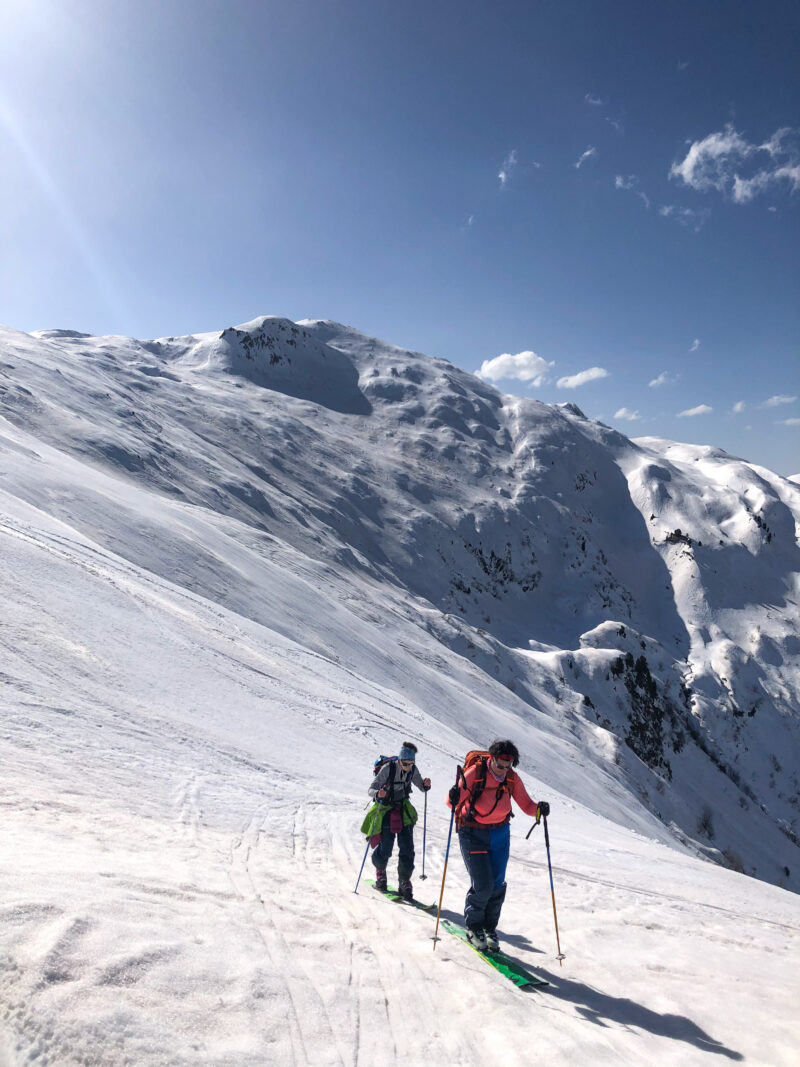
column 181, row 803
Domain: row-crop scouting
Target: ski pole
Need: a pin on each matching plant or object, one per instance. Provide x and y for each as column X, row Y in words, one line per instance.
column 423, row 876
column 366, row 850
column 560, row 957
column 444, row 872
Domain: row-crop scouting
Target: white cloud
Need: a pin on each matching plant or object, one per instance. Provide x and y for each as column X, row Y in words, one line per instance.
column 682, row 64
column 744, row 189
column 632, row 183
column 695, row 345
column 629, row 416
column 776, row 401
column 725, row 161
column 616, row 124
column 701, row 409
column 686, row 216
column 662, row 379
column 738, row 407
column 789, row 422
column 572, row 381
column 522, row 367
column 590, row 153
column 595, row 101
column 507, row 168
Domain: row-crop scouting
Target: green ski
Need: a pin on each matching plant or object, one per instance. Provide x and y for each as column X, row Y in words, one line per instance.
column 393, row 894
column 515, row 972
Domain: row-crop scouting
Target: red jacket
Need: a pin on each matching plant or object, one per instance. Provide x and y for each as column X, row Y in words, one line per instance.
column 489, row 811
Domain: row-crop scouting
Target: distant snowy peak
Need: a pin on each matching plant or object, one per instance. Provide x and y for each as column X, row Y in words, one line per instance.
column 278, row 354
column 573, row 409
column 60, row 335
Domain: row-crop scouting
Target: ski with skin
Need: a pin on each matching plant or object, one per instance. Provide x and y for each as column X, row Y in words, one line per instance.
column 393, row 894
column 515, row 972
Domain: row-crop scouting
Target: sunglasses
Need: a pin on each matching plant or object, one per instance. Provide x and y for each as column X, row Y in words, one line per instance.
column 406, row 763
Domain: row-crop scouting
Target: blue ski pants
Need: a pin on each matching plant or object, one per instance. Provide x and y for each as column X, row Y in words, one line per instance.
column 485, row 850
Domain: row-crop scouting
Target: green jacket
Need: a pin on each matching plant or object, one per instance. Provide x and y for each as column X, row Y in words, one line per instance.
column 373, row 822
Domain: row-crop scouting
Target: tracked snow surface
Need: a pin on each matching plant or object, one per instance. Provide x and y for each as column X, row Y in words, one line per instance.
column 238, row 566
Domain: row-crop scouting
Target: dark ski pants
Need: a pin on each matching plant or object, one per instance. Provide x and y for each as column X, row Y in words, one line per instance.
column 405, row 849
column 485, row 850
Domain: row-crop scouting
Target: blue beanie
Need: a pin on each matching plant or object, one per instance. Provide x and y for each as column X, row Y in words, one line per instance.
column 407, row 753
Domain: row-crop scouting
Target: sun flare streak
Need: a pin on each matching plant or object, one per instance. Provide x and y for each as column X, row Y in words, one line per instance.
column 12, row 128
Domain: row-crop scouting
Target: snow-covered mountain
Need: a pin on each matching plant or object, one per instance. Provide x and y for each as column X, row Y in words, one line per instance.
column 643, row 594
column 269, row 552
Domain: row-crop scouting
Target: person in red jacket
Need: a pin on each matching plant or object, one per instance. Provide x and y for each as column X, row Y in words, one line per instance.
column 482, row 803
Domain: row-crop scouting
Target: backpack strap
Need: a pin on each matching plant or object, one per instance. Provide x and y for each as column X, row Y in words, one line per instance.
column 390, row 781
column 478, row 787
column 389, row 798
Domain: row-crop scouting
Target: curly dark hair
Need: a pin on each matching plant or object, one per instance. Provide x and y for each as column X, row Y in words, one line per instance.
column 498, row 748
column 409, row 744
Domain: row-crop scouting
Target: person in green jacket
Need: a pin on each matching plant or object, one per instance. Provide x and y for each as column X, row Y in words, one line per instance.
column 391, row 788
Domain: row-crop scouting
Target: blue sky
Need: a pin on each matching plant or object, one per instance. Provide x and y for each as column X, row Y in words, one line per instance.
column 605, row 187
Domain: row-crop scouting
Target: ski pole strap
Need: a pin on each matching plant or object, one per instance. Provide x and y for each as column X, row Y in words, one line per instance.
column 533, row 828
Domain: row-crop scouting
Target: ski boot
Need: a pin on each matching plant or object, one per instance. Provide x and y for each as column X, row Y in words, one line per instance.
column 477, row 937
column 405, row 889
column 380, row 880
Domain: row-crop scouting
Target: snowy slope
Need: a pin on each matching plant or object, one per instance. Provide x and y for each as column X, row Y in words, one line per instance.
column 239, row 565
column 641, row 596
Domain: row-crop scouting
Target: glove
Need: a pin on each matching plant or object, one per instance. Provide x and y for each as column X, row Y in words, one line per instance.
column 544, row 809
column 426, row 784
column 454, row 795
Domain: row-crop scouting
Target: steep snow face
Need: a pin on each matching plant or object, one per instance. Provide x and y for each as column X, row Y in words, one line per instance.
column 639, row 597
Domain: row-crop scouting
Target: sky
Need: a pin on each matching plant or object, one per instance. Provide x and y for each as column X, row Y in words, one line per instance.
column 588, row 202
